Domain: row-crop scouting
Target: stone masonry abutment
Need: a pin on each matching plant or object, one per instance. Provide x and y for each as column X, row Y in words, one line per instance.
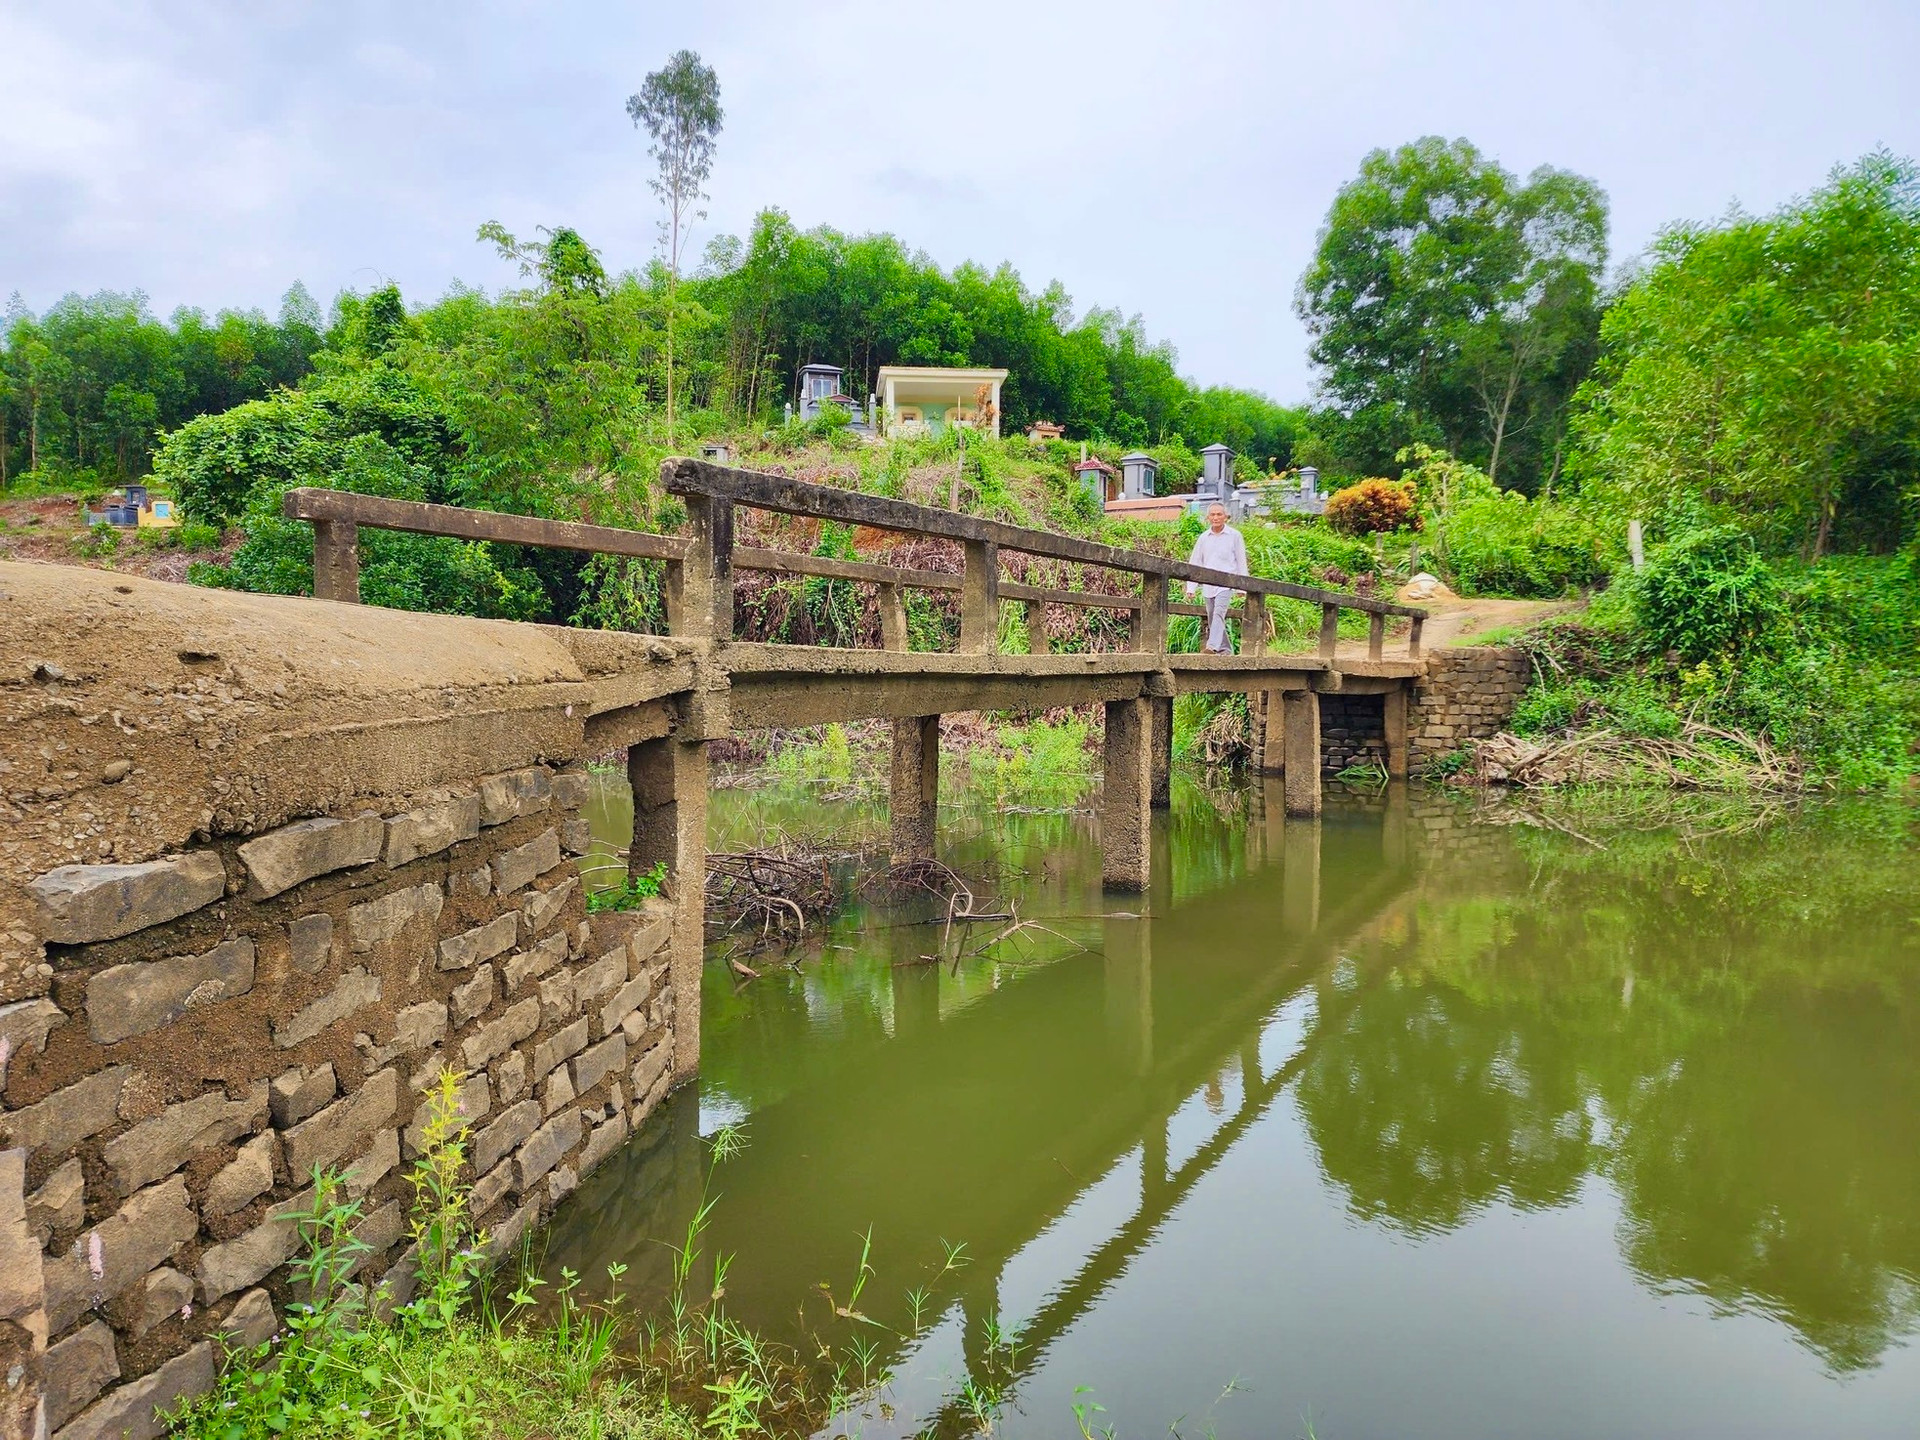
column 269, row 867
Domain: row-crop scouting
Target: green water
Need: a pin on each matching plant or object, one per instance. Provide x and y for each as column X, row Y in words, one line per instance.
column 1397, row 1123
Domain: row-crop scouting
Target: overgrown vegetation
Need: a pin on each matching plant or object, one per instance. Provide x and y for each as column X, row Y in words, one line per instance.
column 454, row 1361
column 1819, row 660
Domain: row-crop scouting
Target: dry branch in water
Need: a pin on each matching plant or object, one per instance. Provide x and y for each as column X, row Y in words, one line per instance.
column 1700, row 757
column 773, row 892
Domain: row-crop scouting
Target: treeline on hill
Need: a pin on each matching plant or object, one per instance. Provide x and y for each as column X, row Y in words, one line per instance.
column 87, row 389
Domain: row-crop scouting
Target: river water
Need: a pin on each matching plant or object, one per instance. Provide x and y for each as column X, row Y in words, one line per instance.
column 1401, row 1123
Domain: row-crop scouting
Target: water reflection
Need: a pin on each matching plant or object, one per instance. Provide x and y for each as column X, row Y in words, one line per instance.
column 1700, row 1053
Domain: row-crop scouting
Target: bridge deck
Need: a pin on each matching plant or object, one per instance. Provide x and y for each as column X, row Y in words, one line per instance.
column 733, row 685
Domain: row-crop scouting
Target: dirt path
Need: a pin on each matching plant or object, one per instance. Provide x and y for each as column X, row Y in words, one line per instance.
column 1452, row 620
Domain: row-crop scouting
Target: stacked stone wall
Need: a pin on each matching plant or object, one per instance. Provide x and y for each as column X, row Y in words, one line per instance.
column 1353, row 731
column 1468, row 693
column 222, row 1020
column 268, row 867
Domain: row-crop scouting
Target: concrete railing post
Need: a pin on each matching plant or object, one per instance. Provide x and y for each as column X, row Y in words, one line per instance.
column 1256, row 626
column 1125, row 827
column 980, row 599
column 705, row 608
column 1301, row 709
column 1376, row 636
column 1329, row 630
column 893, row 618
column 336, row 561
column 1034, row 612
column 1148, row 628
column 915, row 792
column 1413, row 638
column 669, row 781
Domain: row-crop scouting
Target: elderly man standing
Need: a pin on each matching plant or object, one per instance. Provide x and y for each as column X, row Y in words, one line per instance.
column 1218, row 548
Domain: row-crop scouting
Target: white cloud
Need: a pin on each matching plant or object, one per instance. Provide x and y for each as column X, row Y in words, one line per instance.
column 1170, row 160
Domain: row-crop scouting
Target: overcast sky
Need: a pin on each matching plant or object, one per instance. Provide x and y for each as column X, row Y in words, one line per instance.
column 1170, row 160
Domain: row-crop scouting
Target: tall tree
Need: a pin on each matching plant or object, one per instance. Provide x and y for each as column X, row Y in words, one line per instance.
column 680, row 107
column 1767, row 370
column 1448, row 290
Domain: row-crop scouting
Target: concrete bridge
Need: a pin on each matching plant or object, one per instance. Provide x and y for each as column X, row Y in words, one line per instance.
column 269, row 865
column 752, row 686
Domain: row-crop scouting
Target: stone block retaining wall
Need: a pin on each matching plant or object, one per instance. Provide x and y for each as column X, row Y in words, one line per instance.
column 1467, row 693
column 222, row 1019
column 1353, row 731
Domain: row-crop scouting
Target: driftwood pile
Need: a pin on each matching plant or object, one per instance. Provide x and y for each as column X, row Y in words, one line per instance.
column 769, row 895
column 1700, row 757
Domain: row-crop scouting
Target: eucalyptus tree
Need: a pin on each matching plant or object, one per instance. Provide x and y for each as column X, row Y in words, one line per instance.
column 679, row 105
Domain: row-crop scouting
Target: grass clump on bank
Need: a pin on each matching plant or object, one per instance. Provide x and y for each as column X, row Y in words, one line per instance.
column 1818, row 660
column 450, row 1362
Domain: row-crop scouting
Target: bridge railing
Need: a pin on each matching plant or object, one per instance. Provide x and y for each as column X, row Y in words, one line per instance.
column 713, row 491
column 700, row 566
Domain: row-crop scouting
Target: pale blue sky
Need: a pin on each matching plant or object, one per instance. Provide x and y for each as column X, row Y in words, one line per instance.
column 1170, row 160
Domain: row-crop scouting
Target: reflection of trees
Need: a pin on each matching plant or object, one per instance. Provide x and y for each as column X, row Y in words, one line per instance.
column 1725, row 1030
column 1776, row 1169
column 1423, row 1116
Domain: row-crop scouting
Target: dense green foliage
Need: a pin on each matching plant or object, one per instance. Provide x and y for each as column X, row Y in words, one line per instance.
column 787, row 297
column 86, row 388
column 1449, row 301
column 1767, row 372
column 1821, row 659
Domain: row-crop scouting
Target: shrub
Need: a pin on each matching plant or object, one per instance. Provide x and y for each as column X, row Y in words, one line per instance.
column 397, row 571
column 1707, row 593
column 1373, row 506
column 97, row 542
column 1506, row 544
column 197, row 535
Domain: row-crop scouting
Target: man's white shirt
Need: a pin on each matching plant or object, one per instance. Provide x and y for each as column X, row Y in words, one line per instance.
column 1225, row 551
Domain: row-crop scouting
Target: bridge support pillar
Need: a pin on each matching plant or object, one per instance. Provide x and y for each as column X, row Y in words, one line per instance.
column 1162, row 715
column 1393, row 707
column 1300, row 715
column 1126, row 841
column 1270, row 735
column 915, row 794
column 669, row 780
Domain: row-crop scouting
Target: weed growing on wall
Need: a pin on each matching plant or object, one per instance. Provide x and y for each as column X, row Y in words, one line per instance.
column 448, row 1363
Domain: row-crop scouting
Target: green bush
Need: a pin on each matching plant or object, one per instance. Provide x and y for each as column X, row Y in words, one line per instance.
column 197, row 535
column 1506, row 544
column 400, row 572
column 1707, row 593
column 96, row 542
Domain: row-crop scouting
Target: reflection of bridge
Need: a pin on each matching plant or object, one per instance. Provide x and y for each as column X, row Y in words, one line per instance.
column 978, row 1127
